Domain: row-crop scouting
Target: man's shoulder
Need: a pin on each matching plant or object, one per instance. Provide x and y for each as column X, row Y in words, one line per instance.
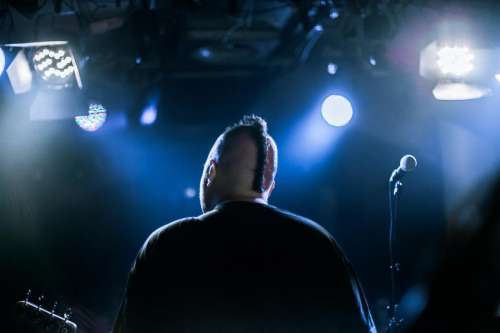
column 172, row 227
column 168, row 230
column 176, row 226
column 302, row 221
column 313, row 229
column 183, row 227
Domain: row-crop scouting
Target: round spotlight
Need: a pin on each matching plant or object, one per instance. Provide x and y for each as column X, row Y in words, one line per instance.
column 94, row 120
column 2, row 61
column 336, row 110
column 148, row 116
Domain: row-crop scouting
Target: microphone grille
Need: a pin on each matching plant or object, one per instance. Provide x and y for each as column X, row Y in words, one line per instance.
column 408, row 163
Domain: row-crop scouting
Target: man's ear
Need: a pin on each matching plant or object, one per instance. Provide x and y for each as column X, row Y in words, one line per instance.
column 269, row 182
column 211, row 172
column 271, row 189
column 270, row 166
column 268, row 190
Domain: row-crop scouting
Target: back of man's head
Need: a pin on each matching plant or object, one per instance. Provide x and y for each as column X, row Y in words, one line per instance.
column 241, row 165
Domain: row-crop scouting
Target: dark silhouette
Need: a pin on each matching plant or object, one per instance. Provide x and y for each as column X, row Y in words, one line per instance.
column 242, row 266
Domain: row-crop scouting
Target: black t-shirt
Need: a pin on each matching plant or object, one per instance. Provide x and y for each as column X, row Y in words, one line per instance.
column 243, row 267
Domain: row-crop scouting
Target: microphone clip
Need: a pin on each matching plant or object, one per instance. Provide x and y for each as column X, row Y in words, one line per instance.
column 396, row 175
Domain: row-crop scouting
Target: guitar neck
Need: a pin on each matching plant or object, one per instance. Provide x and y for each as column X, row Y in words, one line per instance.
column 35, row 316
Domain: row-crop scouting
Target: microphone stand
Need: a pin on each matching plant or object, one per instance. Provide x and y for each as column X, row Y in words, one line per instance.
column 394, row 323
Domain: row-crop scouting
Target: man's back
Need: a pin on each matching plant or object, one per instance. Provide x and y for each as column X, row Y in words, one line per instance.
column 243, row 267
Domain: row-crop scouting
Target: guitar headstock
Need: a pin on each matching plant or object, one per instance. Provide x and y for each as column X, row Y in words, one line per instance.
column 33, row 317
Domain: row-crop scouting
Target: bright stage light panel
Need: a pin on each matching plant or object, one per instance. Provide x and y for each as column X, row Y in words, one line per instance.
column 94, row 120
column 55, row 65
column 336, row 110
column 455, row 60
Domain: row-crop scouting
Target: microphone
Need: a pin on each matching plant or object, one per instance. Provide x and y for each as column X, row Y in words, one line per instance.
column 406, row 164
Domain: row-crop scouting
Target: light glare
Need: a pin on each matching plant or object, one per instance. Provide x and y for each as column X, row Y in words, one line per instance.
column 334, row 14
column 332, row 68
column 148, row 116
column 190, row 192
column 455, row 60
column 318, row 28
column 497, row 77
column 336, row 110
column 205, row 52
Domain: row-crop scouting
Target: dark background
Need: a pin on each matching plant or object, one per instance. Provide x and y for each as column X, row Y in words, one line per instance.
column 76, row 206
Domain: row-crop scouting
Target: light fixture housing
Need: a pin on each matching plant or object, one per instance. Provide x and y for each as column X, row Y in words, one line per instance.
column 2, row 61
column 53, row 62
column 19, row 74
column 459, row 72
column 454, row 91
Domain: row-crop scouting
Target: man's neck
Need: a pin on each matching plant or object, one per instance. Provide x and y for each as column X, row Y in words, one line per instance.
column 256, row 199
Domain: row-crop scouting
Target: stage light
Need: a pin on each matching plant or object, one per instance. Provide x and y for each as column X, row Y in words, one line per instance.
column 334, row 13
column 148, row 116
column 336, row 110
column 52, row 61
column 94, row 120
column 372, row 61
column 455, row 60
column 497, row 77
column 332, row 68
column 318, row 28
column 55, row 65
column 2, row 61
column 205, row 52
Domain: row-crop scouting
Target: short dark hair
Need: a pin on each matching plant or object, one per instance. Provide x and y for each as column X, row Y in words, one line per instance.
column 256, row 128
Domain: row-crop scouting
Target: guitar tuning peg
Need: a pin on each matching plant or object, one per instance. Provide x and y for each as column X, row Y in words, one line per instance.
column 40, row 299
column 54, row 307
column 67, row 314
column 27, row 298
